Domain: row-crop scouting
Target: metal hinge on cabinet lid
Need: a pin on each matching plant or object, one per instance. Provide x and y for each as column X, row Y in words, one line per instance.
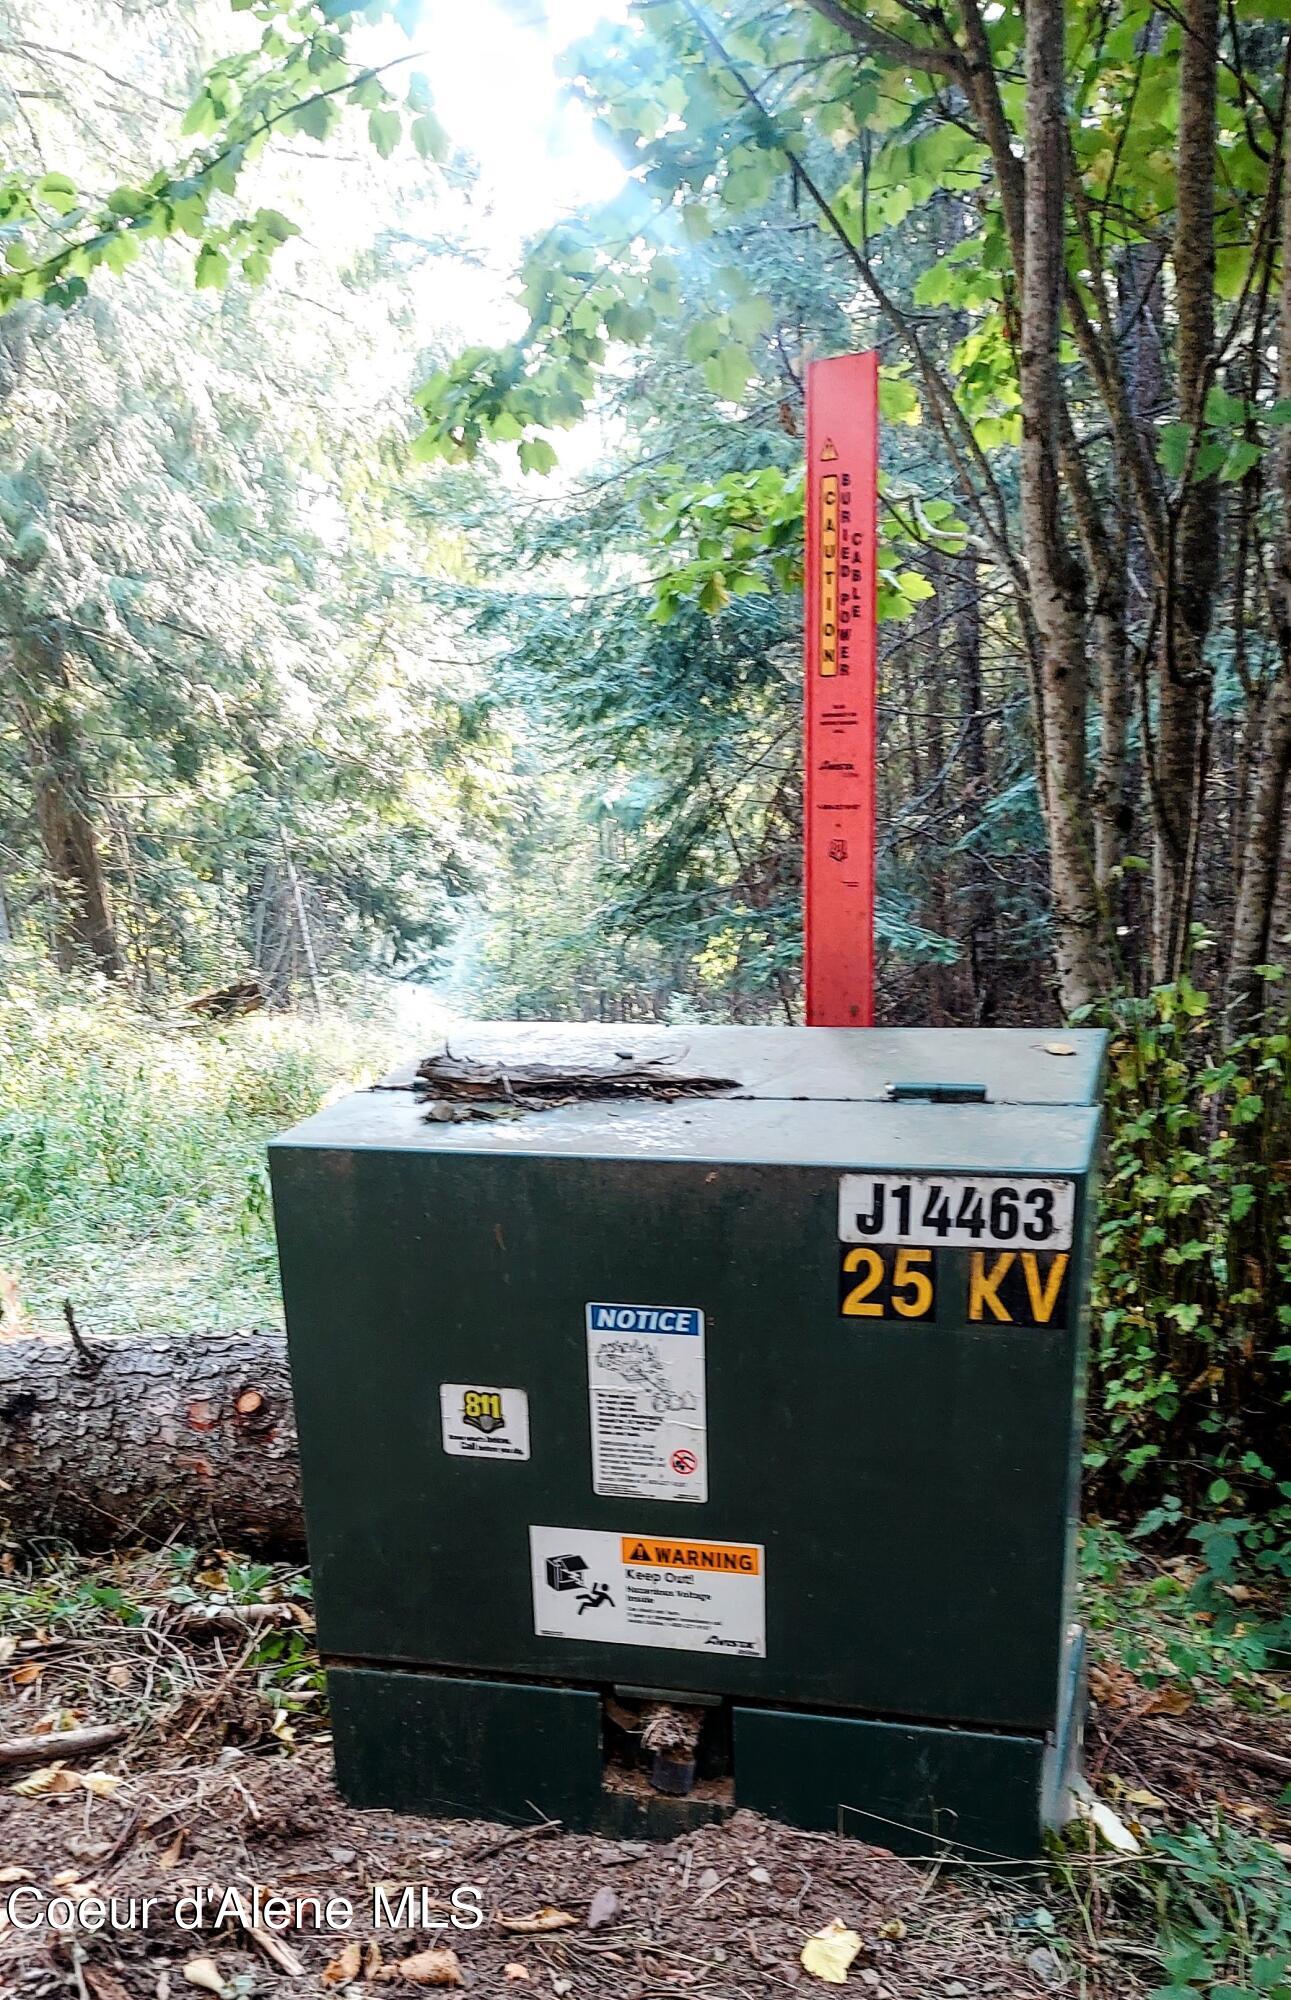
column 936, row 1093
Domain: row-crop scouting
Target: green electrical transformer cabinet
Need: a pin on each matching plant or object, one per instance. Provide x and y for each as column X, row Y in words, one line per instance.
column 690, row 1418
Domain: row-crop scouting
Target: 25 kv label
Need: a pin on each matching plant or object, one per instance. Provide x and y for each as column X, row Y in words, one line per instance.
column 957, row 1211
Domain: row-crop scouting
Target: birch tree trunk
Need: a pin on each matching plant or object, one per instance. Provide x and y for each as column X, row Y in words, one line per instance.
column 1055, row 576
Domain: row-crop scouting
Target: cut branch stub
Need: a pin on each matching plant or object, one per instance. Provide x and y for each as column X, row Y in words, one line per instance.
column 461, row 1087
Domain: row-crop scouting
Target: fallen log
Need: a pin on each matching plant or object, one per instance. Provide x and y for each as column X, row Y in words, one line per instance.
column 107, row 1443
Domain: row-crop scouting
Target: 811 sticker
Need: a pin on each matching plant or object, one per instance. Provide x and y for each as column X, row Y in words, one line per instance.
column 957, row 1211
column 481, row 1422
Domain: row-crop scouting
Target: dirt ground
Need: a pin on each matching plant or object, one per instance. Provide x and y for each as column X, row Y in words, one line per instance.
column 723, row 1911
column 220, row 1779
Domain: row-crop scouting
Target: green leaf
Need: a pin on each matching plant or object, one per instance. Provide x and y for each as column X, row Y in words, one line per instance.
column 1241, row 457
column 212, row 269
column 1172, row 451
column 58, row 191
column 898, row 402
column 315, row 118
column 429, row 137
column 727, row 373
column 120, row 250
column 385, row 129
column 200, row 118
column 1225, row 410
column 536, row 455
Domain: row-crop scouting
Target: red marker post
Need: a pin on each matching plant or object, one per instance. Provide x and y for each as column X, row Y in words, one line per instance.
column 841, row 713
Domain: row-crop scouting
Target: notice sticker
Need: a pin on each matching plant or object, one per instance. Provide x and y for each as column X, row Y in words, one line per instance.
column 649, row 1590
column 645, row 1374
column 478, row 1422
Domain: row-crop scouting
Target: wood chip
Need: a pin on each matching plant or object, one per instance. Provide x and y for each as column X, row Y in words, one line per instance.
column 603, row 1909
column 204, row 1972
column 279, row 1952
column 428, row 1968
column 546, row 1919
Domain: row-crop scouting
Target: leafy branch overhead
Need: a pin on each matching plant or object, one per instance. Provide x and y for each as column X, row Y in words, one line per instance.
column 299, row 79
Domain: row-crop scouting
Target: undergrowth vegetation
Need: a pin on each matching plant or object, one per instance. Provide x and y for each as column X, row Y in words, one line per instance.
column 1190, row 1392
column 132, row 1174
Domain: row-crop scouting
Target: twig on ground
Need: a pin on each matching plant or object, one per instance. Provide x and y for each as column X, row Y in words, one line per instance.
column 512, row 1838
column 61, row 1744
column 1245, row 1753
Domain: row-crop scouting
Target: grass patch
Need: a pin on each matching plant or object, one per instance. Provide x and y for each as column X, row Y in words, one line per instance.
column 132, row 1161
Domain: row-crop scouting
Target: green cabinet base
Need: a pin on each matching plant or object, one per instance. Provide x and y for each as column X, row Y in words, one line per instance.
column 452, row 1748
column 895, row 1785
column 466, row 1749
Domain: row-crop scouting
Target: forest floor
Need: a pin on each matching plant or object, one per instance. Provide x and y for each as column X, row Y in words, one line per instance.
column 221, row 1777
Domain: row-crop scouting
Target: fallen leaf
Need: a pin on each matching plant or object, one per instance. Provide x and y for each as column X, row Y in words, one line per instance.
column 49, row 1779
column 602, row 1909
column 101, row 1783
column 345, row 1968
column 431, row 1968
column 103, row 1985
column 892, row 1927
column 371, row 1959
column 828, row 1954
column 64, row 1878
column 1148, row 1800
column 1109, row 1825
column 118, row 1675
column 23, row 1677
column 545, row 1919
column 516, row 1972
column 1112, row 1686
column 171, row 1856
column 1168, row 1701
column 15, row 1875
column 204, row 1972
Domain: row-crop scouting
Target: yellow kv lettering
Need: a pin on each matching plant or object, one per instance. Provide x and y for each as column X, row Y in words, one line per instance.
column 983, row 1285
column 1043, row 1296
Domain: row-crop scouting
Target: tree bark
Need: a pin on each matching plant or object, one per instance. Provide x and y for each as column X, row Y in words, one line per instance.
column 1055, row 577
column 1257, row 925
column 85, row 928
column 1184, row 680
column 126, row 1441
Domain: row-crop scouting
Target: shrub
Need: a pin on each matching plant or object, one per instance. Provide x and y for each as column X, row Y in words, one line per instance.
column 1191, row 1358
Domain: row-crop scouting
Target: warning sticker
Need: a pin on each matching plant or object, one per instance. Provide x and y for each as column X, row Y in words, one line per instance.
column 645, row 1373
column 648, row 1590
column 483, row 1423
